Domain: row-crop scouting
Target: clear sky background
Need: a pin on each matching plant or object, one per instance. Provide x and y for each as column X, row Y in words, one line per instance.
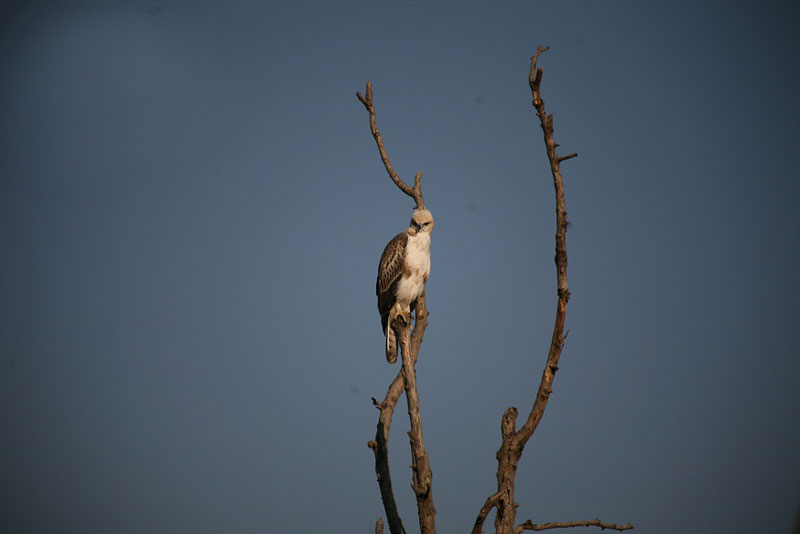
column 192, row 210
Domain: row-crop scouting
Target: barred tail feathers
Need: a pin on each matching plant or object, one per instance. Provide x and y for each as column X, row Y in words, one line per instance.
column 391, row 345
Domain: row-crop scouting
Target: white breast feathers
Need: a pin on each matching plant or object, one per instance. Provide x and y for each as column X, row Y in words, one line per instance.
column 416, row 270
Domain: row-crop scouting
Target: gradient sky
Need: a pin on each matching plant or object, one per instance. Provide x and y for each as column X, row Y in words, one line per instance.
column 192, row 211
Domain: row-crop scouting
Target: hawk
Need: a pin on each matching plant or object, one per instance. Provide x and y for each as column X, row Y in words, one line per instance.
column 402, row 273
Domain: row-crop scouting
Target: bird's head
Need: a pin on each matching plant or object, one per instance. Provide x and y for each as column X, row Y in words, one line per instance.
column 422, row 221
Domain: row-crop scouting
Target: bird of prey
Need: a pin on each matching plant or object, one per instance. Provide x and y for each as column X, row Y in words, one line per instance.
column 402, row 273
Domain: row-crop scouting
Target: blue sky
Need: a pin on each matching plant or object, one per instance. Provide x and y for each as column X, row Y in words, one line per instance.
column 193, row 210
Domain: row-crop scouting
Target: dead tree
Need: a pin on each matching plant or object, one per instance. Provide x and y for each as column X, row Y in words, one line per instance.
column 405, row 380
column 513, row 440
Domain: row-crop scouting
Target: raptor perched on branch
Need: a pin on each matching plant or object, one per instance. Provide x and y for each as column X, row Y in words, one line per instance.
column 402, row 273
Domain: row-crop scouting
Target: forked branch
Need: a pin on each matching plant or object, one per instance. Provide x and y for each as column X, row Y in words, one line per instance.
column 422, row 483
column 379, row 446
column 513, row 441
column 414, row 192
column 405, row 380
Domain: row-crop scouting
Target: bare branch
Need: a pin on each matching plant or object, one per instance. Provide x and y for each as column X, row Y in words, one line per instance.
column 380, row 448
column 513, row 442
column 380, row 445
column 528, row 525
column 422, row 483
column 557, row 341
column 414, row 192
column 490, row 503
column 510, row 451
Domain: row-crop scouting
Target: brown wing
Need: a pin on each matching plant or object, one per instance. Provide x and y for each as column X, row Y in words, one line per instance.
column 389, row 271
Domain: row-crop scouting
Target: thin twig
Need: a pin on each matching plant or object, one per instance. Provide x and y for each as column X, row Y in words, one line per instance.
column 528, row 525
